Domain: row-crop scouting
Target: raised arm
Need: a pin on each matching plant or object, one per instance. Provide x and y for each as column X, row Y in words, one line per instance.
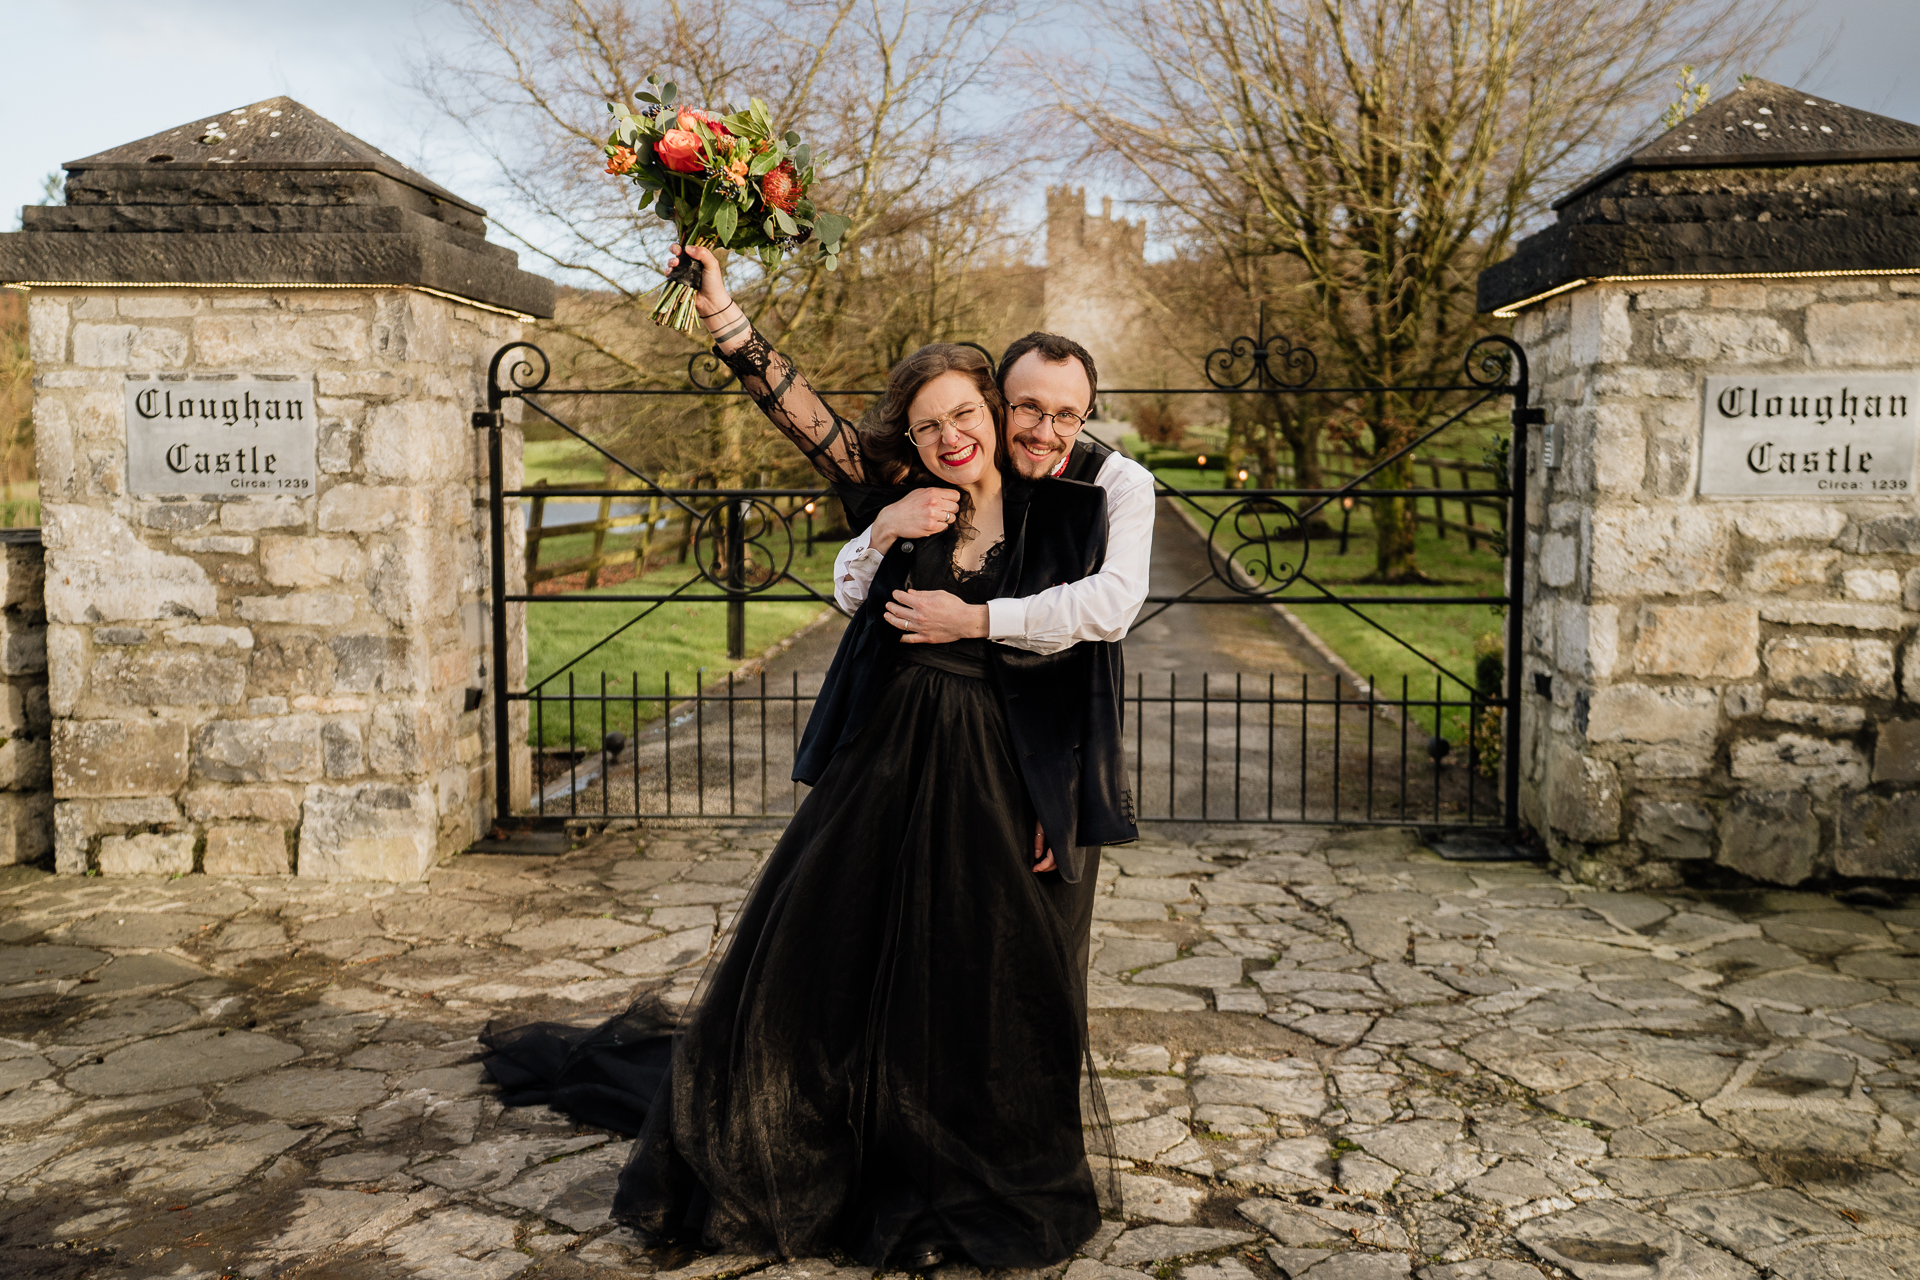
column 771, row 380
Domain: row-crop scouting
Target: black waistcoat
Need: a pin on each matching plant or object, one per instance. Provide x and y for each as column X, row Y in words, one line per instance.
column 1056, row 533
column 1103, row 763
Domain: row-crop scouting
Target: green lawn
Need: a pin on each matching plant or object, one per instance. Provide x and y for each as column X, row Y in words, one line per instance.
column 1445, row 633
column 676, row 642
column 567, row 462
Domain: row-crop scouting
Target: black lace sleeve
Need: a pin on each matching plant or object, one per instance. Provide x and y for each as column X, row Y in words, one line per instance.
column 791, row 405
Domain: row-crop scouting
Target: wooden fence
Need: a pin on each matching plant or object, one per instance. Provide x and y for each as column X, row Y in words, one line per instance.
column 662, row 527
column 598, row 558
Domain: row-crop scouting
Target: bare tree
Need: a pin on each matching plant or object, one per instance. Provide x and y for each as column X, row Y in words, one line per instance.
column 1392, row 148
column 888, row 91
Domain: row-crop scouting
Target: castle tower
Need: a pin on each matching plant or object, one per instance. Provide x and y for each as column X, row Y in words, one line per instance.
column 1093, row 277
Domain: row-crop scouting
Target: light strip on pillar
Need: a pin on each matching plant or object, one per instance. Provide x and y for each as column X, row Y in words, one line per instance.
column 1513, row 309
column 26, row 285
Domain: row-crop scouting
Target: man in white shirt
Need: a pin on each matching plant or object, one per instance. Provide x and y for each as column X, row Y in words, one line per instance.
column 1049, row 383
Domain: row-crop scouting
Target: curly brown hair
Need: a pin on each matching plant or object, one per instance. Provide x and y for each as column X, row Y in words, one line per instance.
column 883, row 432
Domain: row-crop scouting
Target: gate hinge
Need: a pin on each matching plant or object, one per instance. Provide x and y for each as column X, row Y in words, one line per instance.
column 1529, row 417
column 485, row 419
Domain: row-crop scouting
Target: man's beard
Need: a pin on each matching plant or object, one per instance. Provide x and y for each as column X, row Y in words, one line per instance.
column 1031, row 467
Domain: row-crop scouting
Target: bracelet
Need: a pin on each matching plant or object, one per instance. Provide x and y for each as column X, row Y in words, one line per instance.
column 734, row 331
column 704, row 315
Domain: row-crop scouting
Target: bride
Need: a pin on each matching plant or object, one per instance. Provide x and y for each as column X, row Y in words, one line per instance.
column 887, row 1057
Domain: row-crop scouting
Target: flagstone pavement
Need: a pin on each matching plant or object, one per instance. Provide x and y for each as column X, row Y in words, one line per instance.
column 1327, row 1054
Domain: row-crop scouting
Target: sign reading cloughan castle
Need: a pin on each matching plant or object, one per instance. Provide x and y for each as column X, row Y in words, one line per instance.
column 1810, row 436
column 233, row 435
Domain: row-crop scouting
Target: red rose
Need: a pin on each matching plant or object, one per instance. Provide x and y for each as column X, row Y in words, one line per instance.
column 781, row 187
column 621, row 161
column 681, row 152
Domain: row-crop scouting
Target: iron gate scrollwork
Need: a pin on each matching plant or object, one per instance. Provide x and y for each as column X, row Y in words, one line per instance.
column 1259, row 552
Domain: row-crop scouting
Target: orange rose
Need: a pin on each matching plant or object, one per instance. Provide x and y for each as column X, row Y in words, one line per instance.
column 688, row 115
column 681, row 152
column 738, row 170
column 621, row 161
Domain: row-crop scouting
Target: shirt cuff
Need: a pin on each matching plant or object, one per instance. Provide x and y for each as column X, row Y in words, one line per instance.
column 1006, row 619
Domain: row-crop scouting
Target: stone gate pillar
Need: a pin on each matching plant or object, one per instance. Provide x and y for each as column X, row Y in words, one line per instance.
column 1724, row 328
column 257, row 342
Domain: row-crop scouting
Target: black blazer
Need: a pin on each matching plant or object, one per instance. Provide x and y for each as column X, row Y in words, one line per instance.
column 1068, row 752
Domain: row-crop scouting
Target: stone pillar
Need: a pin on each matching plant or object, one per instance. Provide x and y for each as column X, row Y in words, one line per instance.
column 26, row 796
column 276, row 663
column 1721, row 664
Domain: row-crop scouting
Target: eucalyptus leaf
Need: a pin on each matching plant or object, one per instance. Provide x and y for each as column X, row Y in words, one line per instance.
column 726, row 222
column 770, row 227
column 668, row 92
column 803, row 155
column 644, row 96
column 787, row 224
column 793, row 139
column 805, row 211
column 831, row 228
column 832, row 261
column 665, row 208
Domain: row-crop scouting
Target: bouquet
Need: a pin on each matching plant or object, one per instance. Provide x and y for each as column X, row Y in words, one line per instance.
column 725, row 182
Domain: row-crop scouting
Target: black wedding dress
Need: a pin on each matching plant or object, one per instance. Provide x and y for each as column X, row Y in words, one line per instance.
column 888, row 1057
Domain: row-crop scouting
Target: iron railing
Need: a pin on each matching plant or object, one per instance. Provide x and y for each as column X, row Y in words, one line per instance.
column 1210, row 749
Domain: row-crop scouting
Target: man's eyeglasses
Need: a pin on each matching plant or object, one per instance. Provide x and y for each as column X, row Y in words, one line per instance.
column 967, row 419
column 1028, row 416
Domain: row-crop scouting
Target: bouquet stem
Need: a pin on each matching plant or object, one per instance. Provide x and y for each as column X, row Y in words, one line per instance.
column 674, row 307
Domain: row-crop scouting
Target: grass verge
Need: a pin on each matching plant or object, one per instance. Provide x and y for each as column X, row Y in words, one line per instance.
column 676, row 642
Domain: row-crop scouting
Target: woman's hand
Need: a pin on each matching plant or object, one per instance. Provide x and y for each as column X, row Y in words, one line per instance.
column 937, row 617
column 920, row 514
column 713, row 297
column 1040, row 847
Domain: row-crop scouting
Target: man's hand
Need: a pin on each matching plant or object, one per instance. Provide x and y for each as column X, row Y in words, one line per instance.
column 936, row 617
column 920, row 514
column 1040, row 862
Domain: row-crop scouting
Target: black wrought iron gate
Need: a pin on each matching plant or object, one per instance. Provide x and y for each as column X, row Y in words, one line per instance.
column 1325, row 749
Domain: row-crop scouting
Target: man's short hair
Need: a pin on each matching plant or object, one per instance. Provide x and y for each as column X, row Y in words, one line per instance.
column 1054, row 349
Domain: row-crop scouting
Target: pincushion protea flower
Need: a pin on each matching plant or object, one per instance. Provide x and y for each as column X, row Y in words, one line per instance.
column 725, row 182
column 781, row 188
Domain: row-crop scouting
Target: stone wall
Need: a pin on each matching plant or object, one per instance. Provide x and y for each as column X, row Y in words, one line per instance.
column 1713, row 680
column 26, row 796
column 259, row 685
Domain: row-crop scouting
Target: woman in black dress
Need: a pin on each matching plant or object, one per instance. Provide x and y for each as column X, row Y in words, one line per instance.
column 887, row 1057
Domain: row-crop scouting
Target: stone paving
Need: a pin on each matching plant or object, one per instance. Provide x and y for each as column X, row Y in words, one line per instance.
column 1328, row 1056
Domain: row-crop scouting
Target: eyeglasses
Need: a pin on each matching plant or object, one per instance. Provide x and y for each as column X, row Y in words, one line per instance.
column 1028, row 416
column 966, row 419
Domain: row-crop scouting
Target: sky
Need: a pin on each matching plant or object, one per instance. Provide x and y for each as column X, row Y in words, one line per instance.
column 135, row 67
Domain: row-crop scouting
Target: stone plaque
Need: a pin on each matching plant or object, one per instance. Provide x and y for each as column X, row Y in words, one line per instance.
column 1848, row 435
column 246, row 434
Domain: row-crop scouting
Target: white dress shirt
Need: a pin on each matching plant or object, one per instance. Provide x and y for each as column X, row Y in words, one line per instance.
column 1100, row 607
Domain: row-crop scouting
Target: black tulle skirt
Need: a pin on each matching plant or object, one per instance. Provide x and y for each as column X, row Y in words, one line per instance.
column 888, row 1055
